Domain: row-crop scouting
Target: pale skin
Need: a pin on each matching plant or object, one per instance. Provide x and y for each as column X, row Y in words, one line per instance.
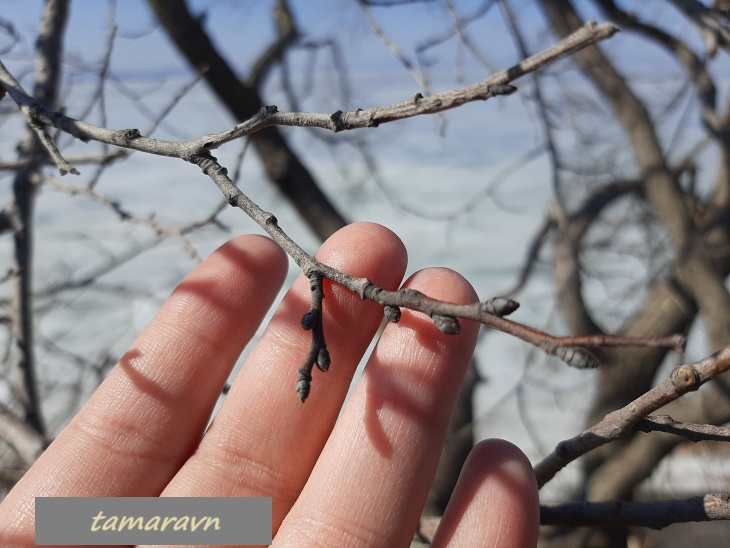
column 361, row 480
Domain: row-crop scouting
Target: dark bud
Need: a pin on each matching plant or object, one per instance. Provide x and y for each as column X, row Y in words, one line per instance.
column 501, row 306
column 308, row 321
column 579, row 358
column 303, row 389
column 447, row 324
column 323, row 359
column 392, row 313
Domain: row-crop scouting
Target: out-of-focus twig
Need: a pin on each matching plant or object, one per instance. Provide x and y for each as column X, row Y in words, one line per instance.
column 656, row 514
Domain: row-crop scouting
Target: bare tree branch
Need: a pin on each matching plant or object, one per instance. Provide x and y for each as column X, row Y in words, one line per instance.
column 671, row 303
column 637, row 460
column 694, row 66
column 444, row 314
column 20, row 213
column 287, row 34
column 102, row 158
column 417, row 75
column 655, row 514
column 622, row 422
column 318, row 354
column 693, row 267
column 459, row 27
column 498, row 84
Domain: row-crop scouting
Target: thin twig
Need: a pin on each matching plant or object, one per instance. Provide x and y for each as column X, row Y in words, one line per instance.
column 690, row 431
column 623, row 422
column 379, row 33
column 498, row 84
column 103, row 158
column 126, row 215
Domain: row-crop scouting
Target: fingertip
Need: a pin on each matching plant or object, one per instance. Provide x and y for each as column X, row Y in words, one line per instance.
column 444, row 282
column 381, row 241
column 495, row 502
column 270, row 254
column 235, row 284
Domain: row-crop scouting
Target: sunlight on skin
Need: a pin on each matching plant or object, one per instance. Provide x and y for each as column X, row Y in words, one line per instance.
column 364, row 476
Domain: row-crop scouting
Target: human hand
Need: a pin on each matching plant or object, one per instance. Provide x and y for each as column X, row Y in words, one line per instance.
column 360, row 480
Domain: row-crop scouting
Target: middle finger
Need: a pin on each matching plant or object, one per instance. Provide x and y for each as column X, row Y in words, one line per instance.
column 264, row 441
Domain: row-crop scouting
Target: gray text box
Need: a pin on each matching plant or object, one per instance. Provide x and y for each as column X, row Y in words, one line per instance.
column 152, row 520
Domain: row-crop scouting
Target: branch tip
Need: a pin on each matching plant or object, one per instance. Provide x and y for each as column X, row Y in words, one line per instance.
column 608, row 29
column 323, row 359
column 304, row 383
column 500, row 306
